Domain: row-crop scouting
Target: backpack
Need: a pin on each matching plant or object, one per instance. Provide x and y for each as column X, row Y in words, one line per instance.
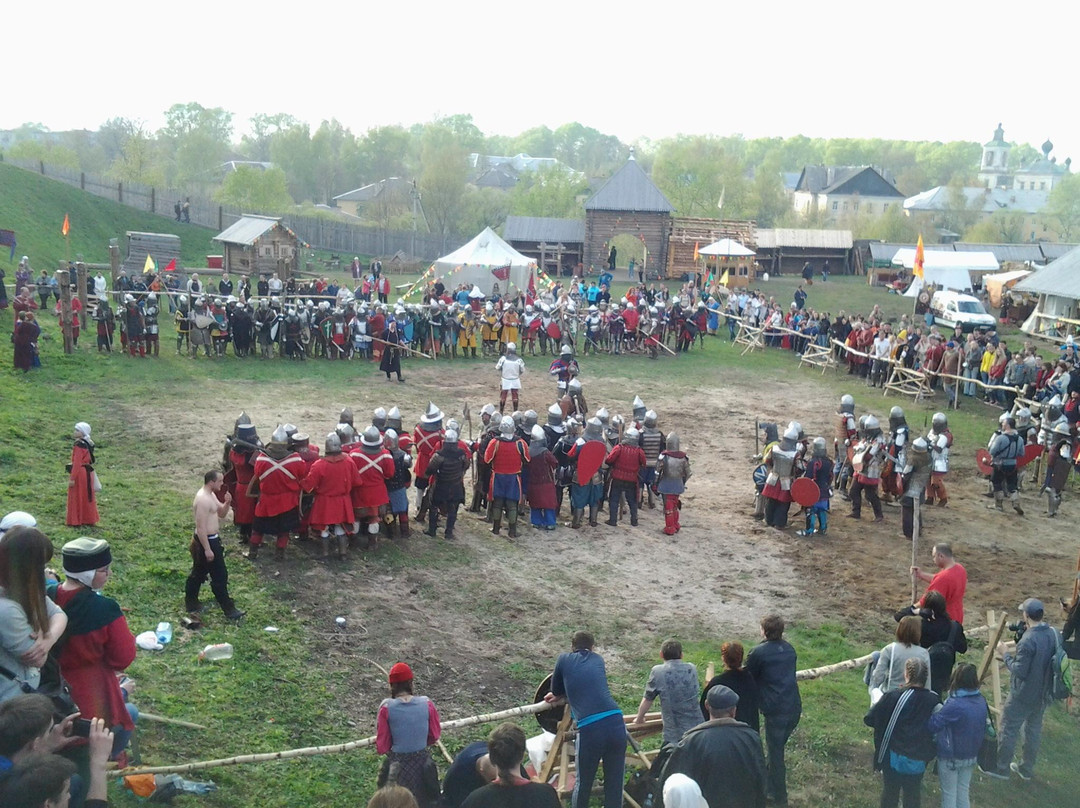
column 1060, row 672
column 942, row 659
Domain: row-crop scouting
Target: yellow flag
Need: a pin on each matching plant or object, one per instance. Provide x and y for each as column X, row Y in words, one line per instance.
column 724, row 278
column 149, row 266
column 920, row 258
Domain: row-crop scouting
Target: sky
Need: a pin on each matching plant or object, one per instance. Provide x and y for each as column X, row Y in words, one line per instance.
column 915, row 71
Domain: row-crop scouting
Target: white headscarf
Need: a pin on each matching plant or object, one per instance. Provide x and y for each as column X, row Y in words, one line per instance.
column 86, row 577
column 16, row 519
column 682, row 792
column 84, row 428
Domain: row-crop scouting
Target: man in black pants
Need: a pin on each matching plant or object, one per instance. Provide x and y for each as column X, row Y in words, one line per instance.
column 772, row 664
column 207, row 556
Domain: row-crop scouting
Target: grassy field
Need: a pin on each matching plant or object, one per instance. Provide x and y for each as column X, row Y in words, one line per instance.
column 274, row 694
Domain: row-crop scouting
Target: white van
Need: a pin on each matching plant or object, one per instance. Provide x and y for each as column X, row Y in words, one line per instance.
column 955, row 308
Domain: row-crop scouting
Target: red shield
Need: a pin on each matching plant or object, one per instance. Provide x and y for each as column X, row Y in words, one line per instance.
column 982, row 460
column 590, row 459
column 1031, row 451
column 553, row 330
column 805, row 492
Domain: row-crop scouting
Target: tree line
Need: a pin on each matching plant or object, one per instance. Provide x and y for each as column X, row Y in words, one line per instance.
column 702, row 175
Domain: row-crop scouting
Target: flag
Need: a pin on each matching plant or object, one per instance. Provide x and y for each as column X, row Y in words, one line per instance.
column 530, row 293
column 149, row 266
column 724, row 279
column 7, row 239
column 66, row 227
column 171, row 266
column 919, row 258
column 720, row 203
column 696, row 256
column 502, row 273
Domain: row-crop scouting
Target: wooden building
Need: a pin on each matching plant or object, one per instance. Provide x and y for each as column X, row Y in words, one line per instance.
column 557, row 245
column 689, row 234
column 786, row 250
column 629, row 202
column 162, row 247
column 260, row 245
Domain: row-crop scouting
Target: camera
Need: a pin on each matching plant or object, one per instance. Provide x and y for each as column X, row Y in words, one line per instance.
column 80, row 728
column 1018, row 628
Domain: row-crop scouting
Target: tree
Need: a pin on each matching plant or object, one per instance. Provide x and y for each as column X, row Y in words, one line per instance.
column 695, row 172
column 551, row 192
column 768, row 203
column 50, row 153
column 587, row 149
column 336, row 160
column 442, row 177
column 1062, row 211
column 483, row 207
column 136, row 162
column 464, row 131
column 291, row 151
column 891, row 226
column 255, row 190
column 256, row 146
column 195, row 141
column 383, row 152
column 1001, row 227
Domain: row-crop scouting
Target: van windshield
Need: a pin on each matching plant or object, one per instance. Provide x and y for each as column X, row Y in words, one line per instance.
column 970, row 307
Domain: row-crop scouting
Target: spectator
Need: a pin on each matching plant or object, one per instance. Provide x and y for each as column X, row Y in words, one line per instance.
column 580, row 679
column 902, row 741
column 392, row 797
column 723, row 756
column 682, row 792
column 16, row 519
column 506, row 746
column 45, row 780
column 406, row 726
column 27, row 728
column 738, row 679
column 950, row 580
column 471, row 769
column 959, row 729
column 675, row 683
column 942, row 637
column 1029, row 663
column 888, row 673
column 772, row 665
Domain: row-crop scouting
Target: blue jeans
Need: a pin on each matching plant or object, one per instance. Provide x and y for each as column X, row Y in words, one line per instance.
column 603, row 741
column 1015, row 717
column 777, row 732
column 955, row 778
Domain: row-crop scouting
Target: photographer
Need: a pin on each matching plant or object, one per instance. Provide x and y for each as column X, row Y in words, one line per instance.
column 45, row 780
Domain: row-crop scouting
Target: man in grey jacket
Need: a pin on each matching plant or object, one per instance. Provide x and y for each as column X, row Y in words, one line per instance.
column 1029, row 671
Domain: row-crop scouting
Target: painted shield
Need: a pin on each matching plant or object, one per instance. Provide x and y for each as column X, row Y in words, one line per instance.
column 805, row 492
column 590, row 459
column 549, row 719
column 553, row 330
column 1031, row 451
column 982, row 460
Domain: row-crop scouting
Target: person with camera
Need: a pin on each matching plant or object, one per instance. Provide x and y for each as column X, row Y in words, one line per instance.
column 43, row 780
column 1028, row 660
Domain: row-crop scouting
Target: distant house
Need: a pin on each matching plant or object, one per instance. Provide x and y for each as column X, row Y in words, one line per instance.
column 497, row 171
column 260, row 245
column 840, row 190
column 941, row 205
column 1040, row 175
column 390, row 193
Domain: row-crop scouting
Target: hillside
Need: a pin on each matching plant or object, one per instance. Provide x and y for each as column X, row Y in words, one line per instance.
column 34, row 207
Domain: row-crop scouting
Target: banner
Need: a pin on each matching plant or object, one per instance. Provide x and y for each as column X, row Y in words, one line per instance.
column 7, row 239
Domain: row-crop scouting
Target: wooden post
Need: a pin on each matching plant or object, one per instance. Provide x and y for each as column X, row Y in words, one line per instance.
column 995, row 669
column 119, row 192
column 80, row 288
column 114, row 262
column 917, row 507
column 63, row 280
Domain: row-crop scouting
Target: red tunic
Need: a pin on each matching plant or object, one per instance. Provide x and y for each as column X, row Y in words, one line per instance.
column 243, row 505
column 540, row 488
column 90, row 660
column 506, row 456
column 626, row 462
column 81, row 498
column 374, row 471
column 631, row 317
column 279, row 483
column 332, row 480
column 426, row 443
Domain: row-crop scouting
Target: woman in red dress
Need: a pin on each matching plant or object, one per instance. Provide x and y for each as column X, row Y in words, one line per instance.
column 81, row 497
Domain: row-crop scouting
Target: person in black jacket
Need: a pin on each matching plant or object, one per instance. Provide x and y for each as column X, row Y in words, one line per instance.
column 738, row 679
column 772, row 664
column 447, row 466
column 903, row 744
column 941, row 636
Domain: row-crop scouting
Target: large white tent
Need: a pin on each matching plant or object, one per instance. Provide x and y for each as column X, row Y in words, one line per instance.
column 476, row 262
column 946, row 270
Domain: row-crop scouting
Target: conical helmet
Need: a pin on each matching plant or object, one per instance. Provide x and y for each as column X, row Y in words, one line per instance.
column 506, row 426
column 390, row 438
column 333, row 444
column 603, row 415
column 672, row 442
column 528, row 420
column 594, row 430
column 650, row 418
column 379, row 417
column 393, row 419
column 639, row 408
column 432, row 416
column 574, row 386
column 280, row 436
column 554, row 415
column 345, row 416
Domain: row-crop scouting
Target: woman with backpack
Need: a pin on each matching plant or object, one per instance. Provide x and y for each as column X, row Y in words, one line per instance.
column 942, row 637
column 959, row 728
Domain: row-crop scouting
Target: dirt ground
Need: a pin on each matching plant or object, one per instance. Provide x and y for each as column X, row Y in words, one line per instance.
column 477, row 635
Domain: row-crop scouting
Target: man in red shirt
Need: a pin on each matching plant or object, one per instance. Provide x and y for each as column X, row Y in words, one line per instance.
column 506, row 455
column 427, row 437
column 626, row 462
column 370, row 499
column 276, row 482
column 950, row 580
column 332, row 480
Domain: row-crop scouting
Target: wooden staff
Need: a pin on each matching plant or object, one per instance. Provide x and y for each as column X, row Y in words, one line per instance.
column 160, row 719
column 915, row 544
column 401, row 347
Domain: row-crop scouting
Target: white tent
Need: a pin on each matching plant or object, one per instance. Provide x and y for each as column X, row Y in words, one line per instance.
column 475, row 262
column 946, row 270
column 727, row 248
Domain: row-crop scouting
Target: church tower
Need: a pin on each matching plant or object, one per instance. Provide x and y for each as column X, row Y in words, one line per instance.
column 994, row 168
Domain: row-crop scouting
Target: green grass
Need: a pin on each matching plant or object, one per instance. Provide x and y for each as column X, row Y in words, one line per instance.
column 275, row 694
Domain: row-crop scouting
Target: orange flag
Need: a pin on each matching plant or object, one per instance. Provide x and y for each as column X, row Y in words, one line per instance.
column 917, row 271
column 696, row 256
column 66, row 227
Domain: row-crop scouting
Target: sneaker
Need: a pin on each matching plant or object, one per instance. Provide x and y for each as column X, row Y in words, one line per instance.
column 235, row 615
column 1015, row 767
column 804, row 532
column 995, row 773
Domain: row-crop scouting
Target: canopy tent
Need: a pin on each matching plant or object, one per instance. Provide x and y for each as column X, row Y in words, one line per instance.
column 726, row 248
column 485, row 261
column 946, row 270
column 997, row 283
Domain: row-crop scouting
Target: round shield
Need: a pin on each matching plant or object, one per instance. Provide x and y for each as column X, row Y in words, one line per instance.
column 1031, row 451
column 760, row 474
column 983, row 461
column 553, row 331
column 805, row 492
column 549, row 719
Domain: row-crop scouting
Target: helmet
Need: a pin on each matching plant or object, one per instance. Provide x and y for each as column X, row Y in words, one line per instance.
column 390, row 438
column 574, row 386
column 345, row 432
column 280, row 436
column 528, row 420
column 299, row 440
column 506, row 426
column 379, row 417
column 537, row 434
column 630, row 437
column 650, row 418
column 345, row 416
column 566, row 350
column 433, row 415
column 603, row 415
column 454, row 425
column 554, row 415
column 511, row 347
column 333, row 444
column 617, row 421
column 939, row 421
column 152, row 297
column 1002, row 418
column 896, row 412
column 796, row 426
column 920, row 445
column 371, row 437
column 1023, row 416
column 639, row 408
column 847, row 403
column 594, row 430
column 1063, row 429
column 129, row 299
column 672, row 442
column 515, row 416
column 791, row 433
column 290, row 429
column 393, row 418
column 819, row 447
column 871, row 423
column 182, row 300
column 451, row 438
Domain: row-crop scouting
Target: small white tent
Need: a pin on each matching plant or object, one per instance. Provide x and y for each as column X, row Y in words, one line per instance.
column 477, row 262
column 946, row 270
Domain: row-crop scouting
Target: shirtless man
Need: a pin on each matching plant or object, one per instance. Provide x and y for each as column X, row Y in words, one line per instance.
column 207, row 556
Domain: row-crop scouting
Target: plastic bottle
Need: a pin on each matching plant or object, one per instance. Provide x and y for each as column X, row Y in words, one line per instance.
column 164, row 633
column 221, row 650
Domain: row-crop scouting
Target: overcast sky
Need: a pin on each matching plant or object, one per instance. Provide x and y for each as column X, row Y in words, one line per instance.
column 943, row 70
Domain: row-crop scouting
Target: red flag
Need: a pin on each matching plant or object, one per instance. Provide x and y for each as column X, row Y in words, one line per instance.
column 171, row 266
column 66, row 227
column 502, row 273
column 530, row 293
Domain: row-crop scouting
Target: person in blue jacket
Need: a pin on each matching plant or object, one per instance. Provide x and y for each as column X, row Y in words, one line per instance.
column 959, row 728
